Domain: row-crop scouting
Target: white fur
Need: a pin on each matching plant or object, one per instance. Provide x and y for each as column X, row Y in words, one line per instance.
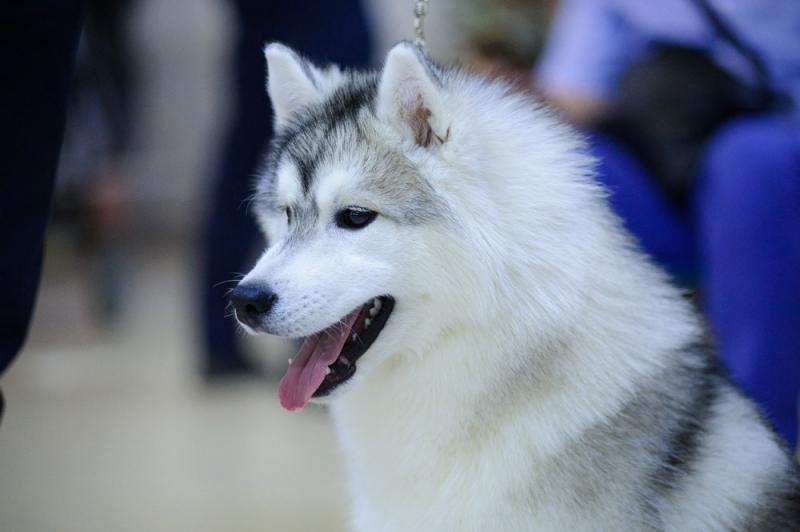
column 408, row 84
column 522, row 319
column 289, row 87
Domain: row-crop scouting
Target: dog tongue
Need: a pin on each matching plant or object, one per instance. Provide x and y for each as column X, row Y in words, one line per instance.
column 309, row 367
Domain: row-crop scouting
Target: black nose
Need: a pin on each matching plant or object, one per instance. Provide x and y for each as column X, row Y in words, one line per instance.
column 252, row 303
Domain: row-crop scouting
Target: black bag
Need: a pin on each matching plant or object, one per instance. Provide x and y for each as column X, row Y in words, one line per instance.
column 669, row 105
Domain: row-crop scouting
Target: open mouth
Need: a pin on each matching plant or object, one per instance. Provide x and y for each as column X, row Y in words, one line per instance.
column 328, row 358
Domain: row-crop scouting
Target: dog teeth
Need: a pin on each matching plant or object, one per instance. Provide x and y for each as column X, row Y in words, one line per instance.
column 353, row 337
column 328, row 371
column 375, row 308
column 367, row 322
column 290, row 361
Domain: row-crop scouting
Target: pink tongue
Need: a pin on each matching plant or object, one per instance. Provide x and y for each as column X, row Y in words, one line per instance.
column 309, row 367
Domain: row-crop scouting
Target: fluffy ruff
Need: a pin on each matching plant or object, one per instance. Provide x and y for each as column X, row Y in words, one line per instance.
column 537, row 371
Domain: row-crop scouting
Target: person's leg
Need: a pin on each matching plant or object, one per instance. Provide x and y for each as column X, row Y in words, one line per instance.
column 229, row 234
column 662, row 232
column 748, row 212
column 37, row 52
column 326, row 31
column 321, row 30
column 37, row 49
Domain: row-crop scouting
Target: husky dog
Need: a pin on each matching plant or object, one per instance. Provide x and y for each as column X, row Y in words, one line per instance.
column 496, row 351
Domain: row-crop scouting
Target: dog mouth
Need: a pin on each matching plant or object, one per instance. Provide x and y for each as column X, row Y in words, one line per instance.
column 328, row 358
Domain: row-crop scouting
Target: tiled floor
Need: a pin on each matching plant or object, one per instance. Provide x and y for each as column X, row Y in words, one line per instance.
column 113, row 432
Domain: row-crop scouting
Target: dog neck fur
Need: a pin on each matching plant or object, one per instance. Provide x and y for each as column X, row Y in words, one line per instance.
column 536, row 316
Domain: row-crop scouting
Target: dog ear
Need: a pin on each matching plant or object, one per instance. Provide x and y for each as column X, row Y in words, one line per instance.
column 292, row 82
column 410, row 95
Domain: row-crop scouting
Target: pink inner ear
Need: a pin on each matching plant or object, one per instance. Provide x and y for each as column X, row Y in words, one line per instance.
column 422, row 128
column 417, row 116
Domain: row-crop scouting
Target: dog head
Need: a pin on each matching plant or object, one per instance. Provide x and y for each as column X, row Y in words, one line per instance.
column 384, row 204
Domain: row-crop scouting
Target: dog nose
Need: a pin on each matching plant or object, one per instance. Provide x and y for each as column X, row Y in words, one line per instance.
column 252, row 303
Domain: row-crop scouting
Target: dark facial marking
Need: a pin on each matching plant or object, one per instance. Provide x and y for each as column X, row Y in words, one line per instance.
column 306, row 137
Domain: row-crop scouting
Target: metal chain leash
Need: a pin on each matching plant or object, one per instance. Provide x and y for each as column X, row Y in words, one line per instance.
column 420, row 11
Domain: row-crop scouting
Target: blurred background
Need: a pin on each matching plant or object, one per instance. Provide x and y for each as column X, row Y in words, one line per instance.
column 137, row 405
column 112, row 421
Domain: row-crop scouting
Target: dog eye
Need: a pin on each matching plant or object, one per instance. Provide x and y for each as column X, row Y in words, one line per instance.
column 355, row 217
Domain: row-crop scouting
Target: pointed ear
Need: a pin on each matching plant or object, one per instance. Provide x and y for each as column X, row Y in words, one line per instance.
column 410, row 96
column 290, row 82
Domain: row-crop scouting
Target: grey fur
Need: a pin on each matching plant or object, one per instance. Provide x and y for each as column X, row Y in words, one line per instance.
column 341, row 128
column 662, row 430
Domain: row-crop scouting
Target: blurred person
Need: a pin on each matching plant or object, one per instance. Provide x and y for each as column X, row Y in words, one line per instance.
column 37, row 48
column 93, row 192
column 503, row 37
column 324, row 30
column 693, row 104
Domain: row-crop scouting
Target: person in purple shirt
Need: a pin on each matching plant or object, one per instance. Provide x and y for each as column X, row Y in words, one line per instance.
column 739, row 226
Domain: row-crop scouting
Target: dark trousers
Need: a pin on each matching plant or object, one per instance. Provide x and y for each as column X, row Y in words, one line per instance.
column 37, row 48
column 323, row 30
